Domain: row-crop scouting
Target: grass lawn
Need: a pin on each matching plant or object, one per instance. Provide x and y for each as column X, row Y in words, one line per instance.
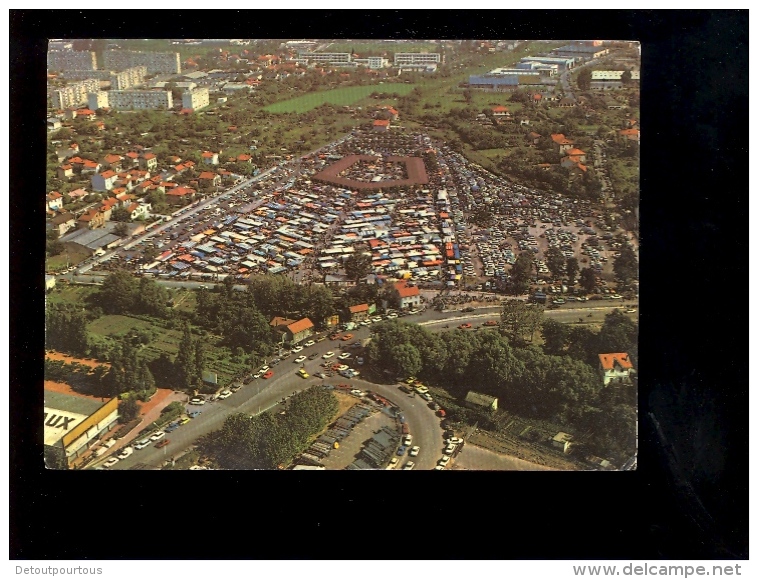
column 62, row 260
column 337, row 96
column 69, row 294
column 367, row 48
column 116, row 325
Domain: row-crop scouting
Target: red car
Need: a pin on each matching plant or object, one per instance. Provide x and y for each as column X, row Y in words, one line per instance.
column 162, row 443
column 334, row 337
column 268, row 374
column 464, row 326
column 490, row 323
column 346, row 337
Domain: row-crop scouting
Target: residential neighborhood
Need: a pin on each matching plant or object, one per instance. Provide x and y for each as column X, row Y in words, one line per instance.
column 371, row 254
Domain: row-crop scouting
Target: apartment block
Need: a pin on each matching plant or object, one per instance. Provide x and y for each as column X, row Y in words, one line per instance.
column 123, row 80
column 74, row 94
column 196, row 99
column 140, row 99
column 61, row 60
column 97, row 100
column 403, row 58
column 155, row 62
column 326, row 57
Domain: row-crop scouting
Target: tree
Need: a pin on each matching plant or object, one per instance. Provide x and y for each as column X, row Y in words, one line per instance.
column 572, row 268
column 521, row 272
column 120, row 214
column 118, row 294
column 128, row 409
column 588, row 279
column 625, row 265
column 520, row 319
column 556, row 336
column 626, row 77
column 184, row 364
column 358, row 266
column 583, row 78
column 406, row 360
column 151, row 299
column 556, row 261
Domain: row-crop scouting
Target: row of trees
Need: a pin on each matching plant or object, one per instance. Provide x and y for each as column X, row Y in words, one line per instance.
column 272, row 441
column 66, row 329
column 122, row 293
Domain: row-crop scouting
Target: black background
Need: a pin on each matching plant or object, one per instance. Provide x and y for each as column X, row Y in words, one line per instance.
column 688, row 498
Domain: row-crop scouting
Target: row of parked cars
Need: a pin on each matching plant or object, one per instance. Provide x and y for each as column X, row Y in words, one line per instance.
column 158, row 437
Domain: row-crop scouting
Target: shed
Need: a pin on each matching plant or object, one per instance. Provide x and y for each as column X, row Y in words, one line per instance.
column 480, row 401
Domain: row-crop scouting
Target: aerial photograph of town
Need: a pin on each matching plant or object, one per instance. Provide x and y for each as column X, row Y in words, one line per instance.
column 342, row 254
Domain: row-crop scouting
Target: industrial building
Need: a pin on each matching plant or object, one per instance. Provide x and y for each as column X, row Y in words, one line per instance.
column 498, row 83
column 155, row 62
column 74, row 94
column 62, row 60
column 581, row 52
column 563, row 63
column 326, row 57
column 90, row 240
column 73, row 424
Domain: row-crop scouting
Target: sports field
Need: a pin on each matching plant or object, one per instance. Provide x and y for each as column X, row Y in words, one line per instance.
column 337, row 96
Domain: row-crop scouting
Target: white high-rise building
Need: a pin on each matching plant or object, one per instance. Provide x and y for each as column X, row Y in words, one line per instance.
column 74, row 94
column 97, row 100
column 196, row 99
column 140, row 99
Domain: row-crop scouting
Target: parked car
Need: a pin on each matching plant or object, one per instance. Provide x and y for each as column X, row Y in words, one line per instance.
column 183, row 421
column 344, row 356
column 144, row 443
column 158, row 435
column 464, row 326
column 310, row 343
column 297, row 349
column 347, row 337
column 264, row 368
column 125, row 453
column 443, row 461
column 224, row 394
column 197, row 401
column 268, row 374
column 393, row 463
column 454, row 440
column 113, row 460
column 414, row 451
column 162, row 443
column 300, row 359
column 426, row 397
column 401, row 450
column 490, row 323
column 449, row 449
column 409, row 465
column 327, row 355
column 303, row 374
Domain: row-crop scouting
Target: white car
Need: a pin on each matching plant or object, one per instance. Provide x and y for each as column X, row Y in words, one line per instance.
column 297, row 349
column 391, row 316
column 454, row 440
column 344, row 356
column 125, row 453
column 415, row 450
column 343, row 367
column 110, row 462
column 356, row 392
column 376, row 319
column 197, row 401
column 327, row 355
column 158, row 435
column 258, row 374
column 310, row 343
column 144, row 443
column 450, row 449
column 366, row 323
column 409, row 465
column 300, row 359
column 264, row 369
column 407, row 439
column 224, row 395
column 390, row 466
column 443, row 461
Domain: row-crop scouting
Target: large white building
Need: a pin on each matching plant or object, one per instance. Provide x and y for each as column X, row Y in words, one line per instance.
column 60, row 60
column 327, row 57
column 613, row 74
column 140, row 99
column 97, row 100
column 403, row 58
column 74, row 94
column 155, row 62
column 196, row 99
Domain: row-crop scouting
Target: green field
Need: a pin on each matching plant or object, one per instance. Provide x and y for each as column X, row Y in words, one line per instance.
column 367, row 48
column 69, row 294
column 338, row 96
column 116, row 325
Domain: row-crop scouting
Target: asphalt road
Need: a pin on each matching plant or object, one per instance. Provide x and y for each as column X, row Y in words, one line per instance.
column 261, row 395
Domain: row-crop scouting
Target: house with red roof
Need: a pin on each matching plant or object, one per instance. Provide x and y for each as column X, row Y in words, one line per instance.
column 409, row 296
column 148, row 162
column 299, row 331
column 577, row 154
column 112, row 161
column 179, row 195
column 500, row 111
column 92, row 219
column 358, row 313
column 630, row 134
column 209, row 179
column 616, row 367
column 561, row 142
column 131, row 158
column 244, row 158
column 104, row 181
column 89, row 167
column 65, row 172
column 54, row 201
column 209, row 158
column 381, row 125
